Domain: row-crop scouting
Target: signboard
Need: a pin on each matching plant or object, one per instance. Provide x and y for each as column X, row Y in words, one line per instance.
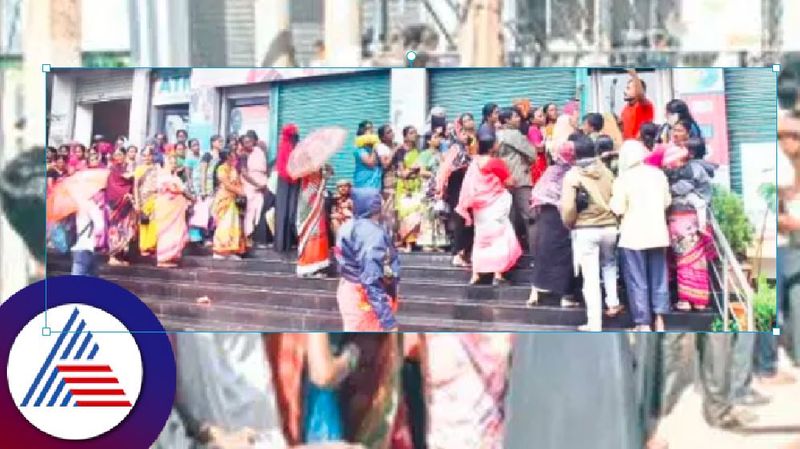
column 696, row 81
column 171, row 89
column 231, row 77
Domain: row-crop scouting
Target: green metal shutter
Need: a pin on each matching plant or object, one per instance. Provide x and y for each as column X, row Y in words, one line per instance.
column 467, row 90
column 336, row 100
column 750, row 99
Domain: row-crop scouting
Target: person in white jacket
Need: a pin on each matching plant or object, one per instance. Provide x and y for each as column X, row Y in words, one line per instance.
column 641, row 197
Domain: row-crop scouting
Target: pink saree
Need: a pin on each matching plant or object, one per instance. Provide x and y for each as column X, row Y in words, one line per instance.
column 169, row 216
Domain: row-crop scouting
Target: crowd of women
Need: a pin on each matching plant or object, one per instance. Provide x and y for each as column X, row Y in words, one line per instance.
column 445, row 391
column 574, row 194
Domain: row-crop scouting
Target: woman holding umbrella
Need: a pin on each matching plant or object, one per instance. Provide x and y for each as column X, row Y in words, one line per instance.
column 312, row 226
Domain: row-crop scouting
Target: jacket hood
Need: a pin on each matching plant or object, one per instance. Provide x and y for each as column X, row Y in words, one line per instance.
column 590, row 167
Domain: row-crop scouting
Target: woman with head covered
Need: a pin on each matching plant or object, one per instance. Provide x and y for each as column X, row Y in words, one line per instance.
column 369, row 269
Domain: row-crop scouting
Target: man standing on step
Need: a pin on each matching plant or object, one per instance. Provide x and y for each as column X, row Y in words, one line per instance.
column 519, row 155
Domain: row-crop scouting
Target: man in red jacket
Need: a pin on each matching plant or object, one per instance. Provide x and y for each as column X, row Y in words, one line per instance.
column 638, row 110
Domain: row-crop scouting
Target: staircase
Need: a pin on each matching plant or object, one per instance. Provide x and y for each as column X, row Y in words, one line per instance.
column 262, row 293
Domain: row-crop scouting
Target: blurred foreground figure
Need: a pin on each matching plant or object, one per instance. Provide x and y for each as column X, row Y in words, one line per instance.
column 22, row 202
column 573, row 391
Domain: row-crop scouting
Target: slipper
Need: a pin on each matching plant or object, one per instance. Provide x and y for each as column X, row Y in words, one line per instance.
column 614, row 311
column 683, row 306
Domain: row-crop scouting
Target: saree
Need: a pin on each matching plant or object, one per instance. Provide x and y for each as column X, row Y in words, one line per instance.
column 312, row 227
column 145, row 177
column 228, row 236
column 432, row 232
column 408, row 201
column 465, row 387
column 170, row 218
column 573, row 391
column 120, row 212
column 495, row 248
column 357, row 315
column 374, row 413
column 692, row 248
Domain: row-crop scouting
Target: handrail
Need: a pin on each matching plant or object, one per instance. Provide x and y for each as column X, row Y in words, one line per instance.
column 731, row 266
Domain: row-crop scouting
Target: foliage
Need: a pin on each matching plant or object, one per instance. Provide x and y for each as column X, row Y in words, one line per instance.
column 729, row 211
column 765, row 306
column 769, row 193
column 764, row 309
column 105, row 60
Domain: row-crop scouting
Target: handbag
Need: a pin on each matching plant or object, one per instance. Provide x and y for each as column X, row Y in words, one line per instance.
column 144, row 219
column 241, row 202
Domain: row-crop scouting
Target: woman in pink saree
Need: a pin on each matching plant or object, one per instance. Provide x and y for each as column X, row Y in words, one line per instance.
column 485, row 198
column 465, row 378
column 169, row 215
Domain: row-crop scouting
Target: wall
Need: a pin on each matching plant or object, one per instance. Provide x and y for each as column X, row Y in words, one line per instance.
column 409, row 105
column 105, row 25
column 62, row 109
column 716, row 25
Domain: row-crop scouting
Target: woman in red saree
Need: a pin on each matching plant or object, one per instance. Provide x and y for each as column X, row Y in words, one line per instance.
column 169, row 215
column 121, row 215
column 312, row 227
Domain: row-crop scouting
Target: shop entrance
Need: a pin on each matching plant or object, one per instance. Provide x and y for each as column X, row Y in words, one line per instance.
column 111, row 118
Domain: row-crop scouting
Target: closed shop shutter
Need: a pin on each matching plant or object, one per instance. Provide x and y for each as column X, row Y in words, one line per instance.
column 104, row 85
column 750, row 98
column 208, row 47
column 467, row 90
column 340, row 100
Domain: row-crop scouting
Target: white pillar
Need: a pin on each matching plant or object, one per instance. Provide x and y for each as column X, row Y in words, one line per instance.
column 409, row 99
column 62, row 109
column 84, row 115
column 140, row 100
column 271, row 21
column 343, row 33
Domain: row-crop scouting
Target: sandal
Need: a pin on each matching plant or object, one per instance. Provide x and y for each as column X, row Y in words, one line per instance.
column 475, row 279
column 613, row 312
column 459, row 261
column 683, row 306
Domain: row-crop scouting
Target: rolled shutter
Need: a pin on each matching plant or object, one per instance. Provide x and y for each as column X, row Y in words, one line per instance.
column 104, row 85
column 467, row 90
column 336, row 100
column 750, row 95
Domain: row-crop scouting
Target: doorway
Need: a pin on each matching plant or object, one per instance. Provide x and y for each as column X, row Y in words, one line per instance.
column 111, row 118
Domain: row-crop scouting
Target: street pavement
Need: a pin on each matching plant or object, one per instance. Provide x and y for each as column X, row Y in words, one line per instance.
column 778, row 424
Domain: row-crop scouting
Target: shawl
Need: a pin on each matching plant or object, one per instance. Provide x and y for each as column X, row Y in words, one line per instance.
column 548, row 190
column 478, row 190
column 456, row 158
column 285, row 147
column 118, row 186
column 631, row 154
column 561, row 132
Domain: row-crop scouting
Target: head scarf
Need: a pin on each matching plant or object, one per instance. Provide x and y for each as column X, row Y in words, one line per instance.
column 289, row 134
column 524, row 107
column 561, row 132
column 548, row 190
column 571, row 107
column 366, row 204
column 631, row 154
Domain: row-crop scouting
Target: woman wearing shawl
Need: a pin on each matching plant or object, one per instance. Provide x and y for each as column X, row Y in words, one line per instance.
column 369, row 268
column 229, row 239
column 121, row 216
column 641, row 197
column 172, row 201
column 689, row 230
column 409, row 196
column 287, row 194
column 485, row 198
column 573, row 391
column 465, row 384
column 553, row 269
column 312, row 225
column 144, row 194
column 432, row 234
column 450, row 179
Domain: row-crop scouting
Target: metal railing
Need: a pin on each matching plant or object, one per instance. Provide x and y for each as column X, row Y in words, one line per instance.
column 729, row 282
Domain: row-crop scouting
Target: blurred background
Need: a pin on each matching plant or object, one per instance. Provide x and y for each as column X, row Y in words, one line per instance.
column 247, row 33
